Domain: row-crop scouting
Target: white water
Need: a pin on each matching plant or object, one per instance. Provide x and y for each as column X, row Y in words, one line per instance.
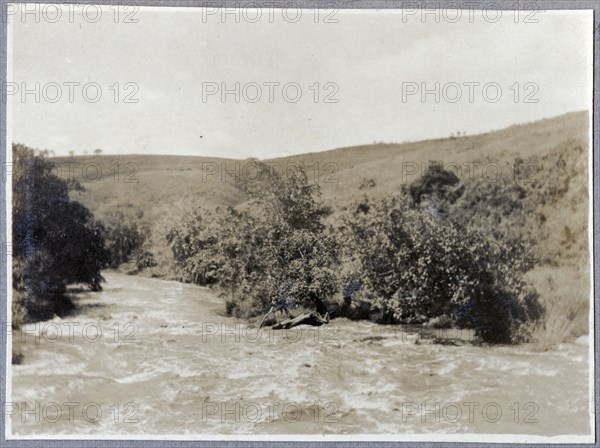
column 183, row 378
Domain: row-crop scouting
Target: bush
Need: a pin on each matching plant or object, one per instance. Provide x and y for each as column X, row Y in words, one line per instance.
column 125, row 241
column 276, row 252
column 138, row 261
column 415, row 265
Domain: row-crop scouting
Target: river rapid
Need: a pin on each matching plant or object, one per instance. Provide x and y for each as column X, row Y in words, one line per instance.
column 154, row 357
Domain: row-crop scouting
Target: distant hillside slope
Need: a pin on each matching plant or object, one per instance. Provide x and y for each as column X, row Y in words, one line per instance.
column 168, row 180
column 157, row 189
column 386, row 163
column 147, row 182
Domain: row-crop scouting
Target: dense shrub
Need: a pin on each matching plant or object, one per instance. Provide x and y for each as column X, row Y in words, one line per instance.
column 415, row 265
column 55, row 240
column 275, row 252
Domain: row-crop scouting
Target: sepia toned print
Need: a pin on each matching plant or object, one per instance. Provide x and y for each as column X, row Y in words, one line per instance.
column 288, row 223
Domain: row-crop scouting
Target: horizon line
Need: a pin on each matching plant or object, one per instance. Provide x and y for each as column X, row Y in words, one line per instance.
column 553, row 117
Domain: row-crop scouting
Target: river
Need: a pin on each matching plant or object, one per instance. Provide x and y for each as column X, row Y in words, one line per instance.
column 154, row 357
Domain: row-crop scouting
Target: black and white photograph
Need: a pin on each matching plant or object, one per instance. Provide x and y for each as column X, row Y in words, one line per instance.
column 286, row 222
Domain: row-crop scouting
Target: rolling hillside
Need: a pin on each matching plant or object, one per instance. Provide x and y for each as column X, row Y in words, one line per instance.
column 169, row 181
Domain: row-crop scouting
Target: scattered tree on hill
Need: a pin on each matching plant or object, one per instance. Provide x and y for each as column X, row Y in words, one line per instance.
column 436, row 184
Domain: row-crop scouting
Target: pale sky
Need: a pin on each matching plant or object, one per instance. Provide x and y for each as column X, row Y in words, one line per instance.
column 172, row 55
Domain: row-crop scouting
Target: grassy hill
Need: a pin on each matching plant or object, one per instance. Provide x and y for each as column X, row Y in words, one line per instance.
column 549, row 158
column 162, row 181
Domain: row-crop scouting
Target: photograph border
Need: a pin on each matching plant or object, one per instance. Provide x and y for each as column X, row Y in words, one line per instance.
column 455, row 440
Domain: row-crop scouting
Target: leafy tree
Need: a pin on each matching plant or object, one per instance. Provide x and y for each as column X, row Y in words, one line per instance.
column 55, row 240
column 436, row 183
column 276, row 251
column 414, row 264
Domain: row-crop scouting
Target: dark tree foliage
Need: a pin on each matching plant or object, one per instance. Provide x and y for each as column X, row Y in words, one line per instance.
column 55, row 240
column 436, row 183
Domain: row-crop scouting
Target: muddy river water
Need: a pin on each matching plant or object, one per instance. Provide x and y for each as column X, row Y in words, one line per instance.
column 151, row 357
